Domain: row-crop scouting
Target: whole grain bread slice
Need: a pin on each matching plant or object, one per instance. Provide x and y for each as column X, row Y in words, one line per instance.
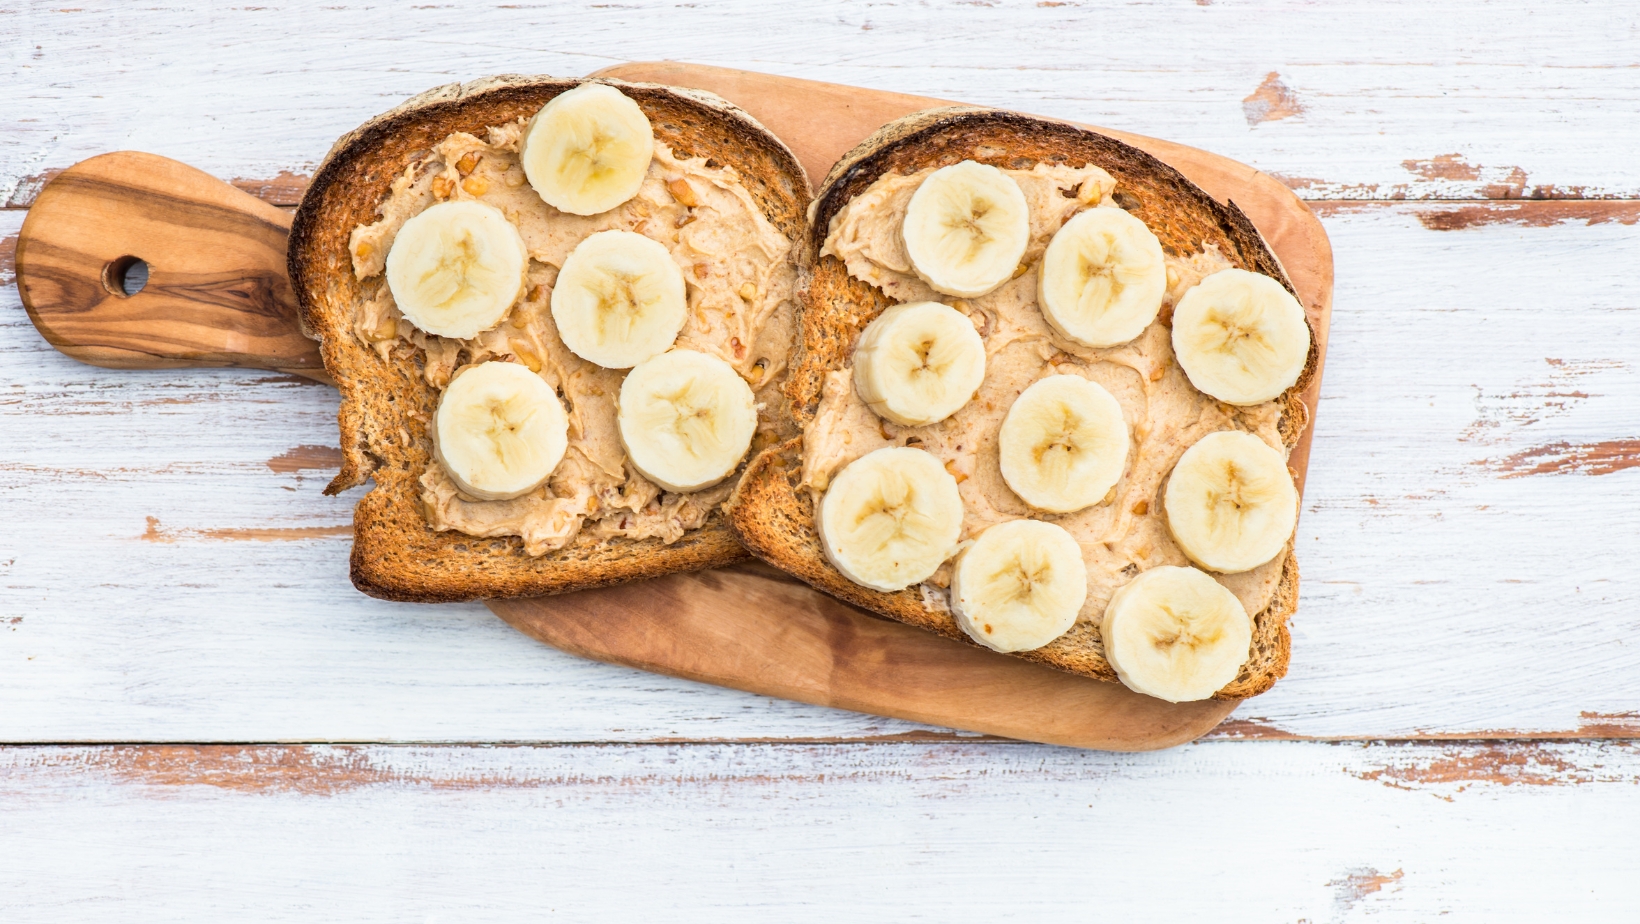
column 773, row 514
column 386, row 403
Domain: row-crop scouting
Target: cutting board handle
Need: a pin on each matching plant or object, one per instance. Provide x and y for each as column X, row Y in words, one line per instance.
column 216, row 293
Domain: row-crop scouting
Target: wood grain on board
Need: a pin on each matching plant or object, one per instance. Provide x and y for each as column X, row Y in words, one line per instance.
column 753, row 628
column 216, row 291
column 745, row 629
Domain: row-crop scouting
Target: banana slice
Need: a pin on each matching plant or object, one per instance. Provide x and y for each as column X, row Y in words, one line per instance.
column 891, row 518
column 686, row 419
column 1063, row 444
column 1230, row 502
column 1240, row 337
column 966, row 228
column 1019, row 586
column 1176, row 634
column 456, row 268
column 918, row 363
column 499, row 430
column 1102, row 278
column 587, row 150
column 619, row 299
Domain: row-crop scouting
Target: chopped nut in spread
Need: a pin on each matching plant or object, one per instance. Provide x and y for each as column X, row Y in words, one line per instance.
column 1123, row 535
column 740, row 279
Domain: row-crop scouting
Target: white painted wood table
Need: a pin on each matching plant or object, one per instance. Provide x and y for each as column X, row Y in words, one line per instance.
column 204, row 722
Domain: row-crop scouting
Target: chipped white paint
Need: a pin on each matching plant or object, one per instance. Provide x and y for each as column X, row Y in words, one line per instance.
column 1438, row 594
column 1526, row 94
column 951, row 832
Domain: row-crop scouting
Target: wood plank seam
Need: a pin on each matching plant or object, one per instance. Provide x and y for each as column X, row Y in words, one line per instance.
column 280, row 193
column 1232, row 730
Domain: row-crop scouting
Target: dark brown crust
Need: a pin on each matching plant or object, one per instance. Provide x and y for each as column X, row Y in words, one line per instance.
column 774, row 517
column 385, row 404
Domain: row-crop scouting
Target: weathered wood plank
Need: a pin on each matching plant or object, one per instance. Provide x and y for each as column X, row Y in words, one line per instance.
column 961, row 832
column 1467, row 541
column 1533, row 100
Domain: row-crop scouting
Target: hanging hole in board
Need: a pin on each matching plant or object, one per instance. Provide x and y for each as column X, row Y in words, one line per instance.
column 125, row 276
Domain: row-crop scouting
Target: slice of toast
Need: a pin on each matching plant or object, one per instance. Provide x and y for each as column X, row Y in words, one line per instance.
column 772, row 510
column 386, row 402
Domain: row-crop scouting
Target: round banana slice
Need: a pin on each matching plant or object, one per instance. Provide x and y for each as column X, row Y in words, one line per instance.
column 686, row 419
column 1063, row 444
column 1019, row 586
column 619, row 299
column 1240, row 337
column 456, row 268
column 890, row 518
column 966, row 228
column 1176, row 634
column 1102, row 278
column 918, row 363
column 1230, row 502
column 587, row 150
column 499, row 430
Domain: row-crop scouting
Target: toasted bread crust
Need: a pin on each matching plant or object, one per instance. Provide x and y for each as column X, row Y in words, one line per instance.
column 774, row 516
column 386, row 403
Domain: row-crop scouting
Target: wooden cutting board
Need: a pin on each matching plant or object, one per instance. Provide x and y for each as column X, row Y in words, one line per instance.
column 217, row 295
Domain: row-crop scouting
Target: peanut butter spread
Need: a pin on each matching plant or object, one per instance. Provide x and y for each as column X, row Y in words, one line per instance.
column 1125, row 534
column 740, row 288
